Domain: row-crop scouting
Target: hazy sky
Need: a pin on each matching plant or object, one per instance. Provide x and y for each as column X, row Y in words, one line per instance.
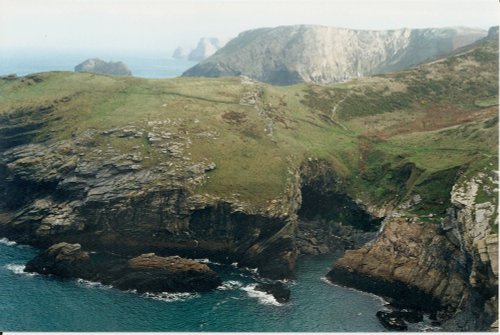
column 161, row 25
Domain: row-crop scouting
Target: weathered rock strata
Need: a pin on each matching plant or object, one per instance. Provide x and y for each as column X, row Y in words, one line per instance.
column 409, row 261
column 144, row 273
column 451, row 269
column 106, row 200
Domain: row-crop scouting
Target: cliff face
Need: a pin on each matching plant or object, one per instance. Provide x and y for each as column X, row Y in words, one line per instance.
column 453, row 266
column 52, row 193
column 325, row 55
column 240, row 171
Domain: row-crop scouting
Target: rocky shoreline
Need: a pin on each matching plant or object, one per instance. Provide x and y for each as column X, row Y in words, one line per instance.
column 144, row 273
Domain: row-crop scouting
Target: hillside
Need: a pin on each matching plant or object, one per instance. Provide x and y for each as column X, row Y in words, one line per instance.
column 326, row 55
column 238, row 170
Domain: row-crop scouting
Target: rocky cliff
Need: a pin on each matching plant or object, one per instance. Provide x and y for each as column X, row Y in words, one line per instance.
column 97, row 65
column 241, row 171
column 325, row 55
column 453, row 266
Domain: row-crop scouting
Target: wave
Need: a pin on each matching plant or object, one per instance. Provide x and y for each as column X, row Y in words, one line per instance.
column 6, row 241
column 229, row 285
column 421, row 327
column 206, row 261
column 88, row 283
column 171, row 296
column 374, row 296
column 263, row 297
column 18, row 269
column 288, row 282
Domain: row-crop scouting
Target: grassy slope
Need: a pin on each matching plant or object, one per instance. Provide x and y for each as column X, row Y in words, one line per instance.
column 438, row 117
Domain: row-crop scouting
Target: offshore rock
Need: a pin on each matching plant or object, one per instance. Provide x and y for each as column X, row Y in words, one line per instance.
column 145, row 273
column 97, row 65
column 391, row 321
column 279, row 291
column 62, row 259
column 206, row 47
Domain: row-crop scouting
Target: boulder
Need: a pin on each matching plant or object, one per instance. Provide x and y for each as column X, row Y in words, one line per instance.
column 145, row 273
column 152, row 273
column 391, row 321
column 279, row 291
column 62, row 259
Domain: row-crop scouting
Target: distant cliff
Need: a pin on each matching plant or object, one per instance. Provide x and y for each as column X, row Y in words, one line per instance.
column 207, row 46
column 325, row 55
column 180, row 53
column 97, row 65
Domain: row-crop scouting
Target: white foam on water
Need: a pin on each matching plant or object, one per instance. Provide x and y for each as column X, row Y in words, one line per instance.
column 229, row 285
column 288, row 282
column 206, row 261
column 234, row 265
column 374, row 296
column 262, row 297
column 6, row 241
column 171, row 296
column 88, row 283
column 18, row 269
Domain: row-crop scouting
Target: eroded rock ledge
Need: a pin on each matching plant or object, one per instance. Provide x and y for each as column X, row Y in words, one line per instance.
column 409, row 262
column 144, row 273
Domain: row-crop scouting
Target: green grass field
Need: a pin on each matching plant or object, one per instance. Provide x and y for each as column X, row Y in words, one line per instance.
column 439, row 118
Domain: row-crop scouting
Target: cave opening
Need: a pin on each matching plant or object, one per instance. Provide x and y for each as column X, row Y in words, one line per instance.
column 330, row 221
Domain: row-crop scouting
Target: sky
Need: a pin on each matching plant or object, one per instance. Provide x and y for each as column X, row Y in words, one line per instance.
column 162, row 25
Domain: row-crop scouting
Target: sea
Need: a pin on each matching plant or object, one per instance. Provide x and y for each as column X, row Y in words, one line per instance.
column 33, row 302
column 24, row 61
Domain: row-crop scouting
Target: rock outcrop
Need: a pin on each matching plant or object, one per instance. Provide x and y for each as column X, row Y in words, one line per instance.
column 144, row 273
column 207, row 46
column 58, row 194
column 235, row 170
column 325, row 55
column 97, row 65
column 409, row 262
column 451, row 269
column 278, row 290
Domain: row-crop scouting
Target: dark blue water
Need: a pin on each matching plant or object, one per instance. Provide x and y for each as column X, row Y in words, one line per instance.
column 147, row 65
column 43, row 303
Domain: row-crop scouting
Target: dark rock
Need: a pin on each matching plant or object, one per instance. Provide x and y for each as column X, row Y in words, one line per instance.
column 435, row 323
column 408, row 296
column 410, row 316
column 391, row 321
column 151, row 273
column 279, row 291
column 62, row 259
column 145, row 273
